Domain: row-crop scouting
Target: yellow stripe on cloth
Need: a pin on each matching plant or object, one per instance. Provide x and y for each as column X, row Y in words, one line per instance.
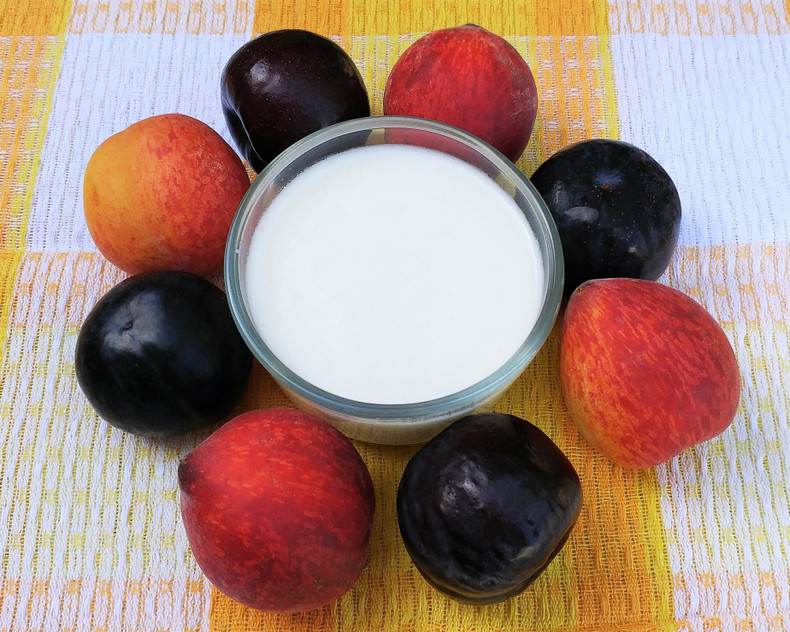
column 28, row 71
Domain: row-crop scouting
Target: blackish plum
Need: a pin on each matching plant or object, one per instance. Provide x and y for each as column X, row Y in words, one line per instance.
column 485, row 505
column 283, row 85
column 617, row 210
column 159, row 355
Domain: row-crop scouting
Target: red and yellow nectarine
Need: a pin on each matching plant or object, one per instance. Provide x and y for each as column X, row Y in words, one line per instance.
column 645, row 370
column 161, row 195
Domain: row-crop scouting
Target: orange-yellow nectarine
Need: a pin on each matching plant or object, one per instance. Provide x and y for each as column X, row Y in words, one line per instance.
column 161, row 195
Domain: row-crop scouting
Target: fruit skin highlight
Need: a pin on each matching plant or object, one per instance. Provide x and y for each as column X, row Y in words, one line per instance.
column 471, row 78
column 278, row 509
column 645, row 371
column 284, row 85
column 161, row 195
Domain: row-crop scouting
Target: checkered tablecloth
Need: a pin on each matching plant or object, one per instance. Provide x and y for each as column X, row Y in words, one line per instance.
column 90, row 531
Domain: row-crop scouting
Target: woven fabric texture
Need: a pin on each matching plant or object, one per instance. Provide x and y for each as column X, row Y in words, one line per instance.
column 91, row 537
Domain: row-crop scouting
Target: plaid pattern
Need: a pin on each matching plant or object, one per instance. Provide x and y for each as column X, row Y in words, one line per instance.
column 90, row 533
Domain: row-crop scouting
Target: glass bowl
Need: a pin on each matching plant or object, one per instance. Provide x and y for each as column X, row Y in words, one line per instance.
column 393, row 423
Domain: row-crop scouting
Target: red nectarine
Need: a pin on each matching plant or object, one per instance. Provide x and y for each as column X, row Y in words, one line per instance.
column 645, row 370
column 469, row 77
column 278, row 508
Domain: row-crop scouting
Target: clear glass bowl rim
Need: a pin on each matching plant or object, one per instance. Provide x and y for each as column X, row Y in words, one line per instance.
column 542, row 224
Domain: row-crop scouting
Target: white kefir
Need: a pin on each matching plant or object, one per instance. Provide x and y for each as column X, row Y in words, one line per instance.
column 393, row 274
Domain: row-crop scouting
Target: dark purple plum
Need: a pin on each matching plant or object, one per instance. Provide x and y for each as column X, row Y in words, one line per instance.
column 616, row 209
column 485, row 505
column 159, row 355
column 283, row 85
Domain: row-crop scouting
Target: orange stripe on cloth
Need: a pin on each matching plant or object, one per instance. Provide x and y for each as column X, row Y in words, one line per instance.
column 65, row 604
column 617, row 565
column 703, row 272
column 9, row 265
column 346, row 18
column 728, row 17
column 166, row 18
column 47, row 17
column 580, row 17
column 28, row 71
column 576, row 94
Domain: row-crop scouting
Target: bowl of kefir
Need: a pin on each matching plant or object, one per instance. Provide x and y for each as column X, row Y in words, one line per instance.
column 393, row 274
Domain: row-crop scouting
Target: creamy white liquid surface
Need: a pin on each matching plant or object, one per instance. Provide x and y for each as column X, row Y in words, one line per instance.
column 393, row 274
